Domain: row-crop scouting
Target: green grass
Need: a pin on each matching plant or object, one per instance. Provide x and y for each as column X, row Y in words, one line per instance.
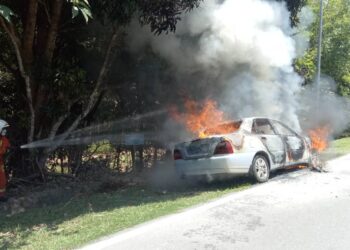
column 341, row 146
column 88, row 218
column 337, row 148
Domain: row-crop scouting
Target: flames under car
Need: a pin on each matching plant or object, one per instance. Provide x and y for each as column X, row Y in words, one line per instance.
column 254, row 146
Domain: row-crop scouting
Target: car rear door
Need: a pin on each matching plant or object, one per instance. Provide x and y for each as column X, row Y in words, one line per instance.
column 294, row 143
column 273, row 143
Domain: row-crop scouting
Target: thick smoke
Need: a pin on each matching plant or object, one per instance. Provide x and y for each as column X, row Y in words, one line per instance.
column 239, row 52
column 332, row 110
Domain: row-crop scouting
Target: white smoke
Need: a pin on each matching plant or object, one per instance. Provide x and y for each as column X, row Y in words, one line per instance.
column 243, row 50
column 301, row 33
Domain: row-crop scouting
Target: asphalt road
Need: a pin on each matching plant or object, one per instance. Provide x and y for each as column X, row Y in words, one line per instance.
column 298, row 210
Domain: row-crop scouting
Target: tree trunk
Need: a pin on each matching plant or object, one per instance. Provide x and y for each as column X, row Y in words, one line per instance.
column 118, row 160
column 155, row 156
column 29, row 34
column 10, row 30
column 53, row 30
column 140, row 162
column 133, row 158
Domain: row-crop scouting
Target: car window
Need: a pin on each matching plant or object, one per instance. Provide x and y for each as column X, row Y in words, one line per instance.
column 262, row 126
column 282, row 129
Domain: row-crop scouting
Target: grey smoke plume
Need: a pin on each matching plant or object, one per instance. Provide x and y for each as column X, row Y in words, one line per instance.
column 332, row 110
column 240, row 52
column 301, row 34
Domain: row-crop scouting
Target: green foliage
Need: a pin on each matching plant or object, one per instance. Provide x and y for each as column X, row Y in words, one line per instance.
column 306, row 66
column 6, row 13
column 335, row 45
column 344, row 85
column 67, row 85
column 163, row 15
column 83, row 7
column 102, row 147
column 117, row 12
column 160, row 15
column 294, row 6
column 68, row 80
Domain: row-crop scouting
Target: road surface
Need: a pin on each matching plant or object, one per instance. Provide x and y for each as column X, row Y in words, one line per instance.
column 298, row 210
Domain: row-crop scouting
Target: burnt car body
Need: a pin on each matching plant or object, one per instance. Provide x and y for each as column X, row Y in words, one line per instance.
column 253, row 146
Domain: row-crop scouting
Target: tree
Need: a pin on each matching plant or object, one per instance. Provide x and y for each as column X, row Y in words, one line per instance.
column 335, row 45
column 47, row 49
column 294, row 6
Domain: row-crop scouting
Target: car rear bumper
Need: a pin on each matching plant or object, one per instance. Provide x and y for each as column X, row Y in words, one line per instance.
column 236, row 164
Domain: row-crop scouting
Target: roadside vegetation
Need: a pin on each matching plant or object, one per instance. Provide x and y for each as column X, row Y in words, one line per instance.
column 338, row 148
column 85, row 218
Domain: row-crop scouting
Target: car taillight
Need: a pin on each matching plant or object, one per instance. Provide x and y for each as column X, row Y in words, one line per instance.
column 223, row 147
column 177, row 155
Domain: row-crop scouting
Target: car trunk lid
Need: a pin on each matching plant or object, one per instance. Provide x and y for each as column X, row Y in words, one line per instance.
column 200, row 148
column 206, row 147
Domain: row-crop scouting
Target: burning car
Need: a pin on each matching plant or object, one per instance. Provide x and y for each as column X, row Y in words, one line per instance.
column 254, row 146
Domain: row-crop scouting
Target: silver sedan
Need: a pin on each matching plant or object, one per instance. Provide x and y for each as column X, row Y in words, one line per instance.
column 254, row 146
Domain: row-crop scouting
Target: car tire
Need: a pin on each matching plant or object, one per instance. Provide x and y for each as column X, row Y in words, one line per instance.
column 260, row 169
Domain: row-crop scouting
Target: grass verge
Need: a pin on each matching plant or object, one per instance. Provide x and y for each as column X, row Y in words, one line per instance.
column 337, row 148
column 87, row 218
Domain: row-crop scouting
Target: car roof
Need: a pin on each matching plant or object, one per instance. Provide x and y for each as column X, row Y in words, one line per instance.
column 247, row 119
column 256, row 117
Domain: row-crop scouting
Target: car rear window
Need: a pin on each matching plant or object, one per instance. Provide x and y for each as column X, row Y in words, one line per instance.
column 225, row 128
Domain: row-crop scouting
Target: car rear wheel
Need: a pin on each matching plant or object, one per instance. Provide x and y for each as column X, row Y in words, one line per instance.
column 260, row 169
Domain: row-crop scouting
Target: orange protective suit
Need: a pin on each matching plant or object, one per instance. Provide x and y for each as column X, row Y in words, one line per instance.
column 4, row 145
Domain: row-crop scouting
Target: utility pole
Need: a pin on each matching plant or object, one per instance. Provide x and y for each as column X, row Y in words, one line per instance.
column 319, row 55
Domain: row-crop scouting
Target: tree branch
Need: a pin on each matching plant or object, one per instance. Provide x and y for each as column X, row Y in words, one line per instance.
column 103, row 72
column 61, row 119
column 95, row 94
column 17, row 46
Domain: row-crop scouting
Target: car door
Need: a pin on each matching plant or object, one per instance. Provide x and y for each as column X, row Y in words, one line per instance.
column 294, row 143
column 273, row 143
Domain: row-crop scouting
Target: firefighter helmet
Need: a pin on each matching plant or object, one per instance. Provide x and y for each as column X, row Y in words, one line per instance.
column 3, row 124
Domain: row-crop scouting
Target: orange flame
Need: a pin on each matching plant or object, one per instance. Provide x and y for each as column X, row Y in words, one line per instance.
column 319, row 138
column 199, row 117
column 296, row 167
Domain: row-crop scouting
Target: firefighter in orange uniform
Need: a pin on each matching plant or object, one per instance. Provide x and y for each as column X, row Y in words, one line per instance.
column 4, row 145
